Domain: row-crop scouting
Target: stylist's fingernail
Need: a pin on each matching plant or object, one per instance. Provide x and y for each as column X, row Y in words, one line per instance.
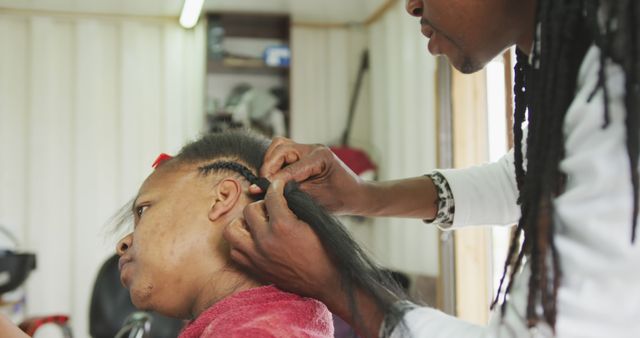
column 254, row 187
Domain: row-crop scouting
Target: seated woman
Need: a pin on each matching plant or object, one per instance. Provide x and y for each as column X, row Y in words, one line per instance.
column 176, row 262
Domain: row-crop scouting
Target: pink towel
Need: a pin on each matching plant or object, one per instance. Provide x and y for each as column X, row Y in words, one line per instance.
column 260, row 313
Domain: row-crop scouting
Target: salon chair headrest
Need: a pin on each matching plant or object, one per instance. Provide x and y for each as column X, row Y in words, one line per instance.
column 14, row 269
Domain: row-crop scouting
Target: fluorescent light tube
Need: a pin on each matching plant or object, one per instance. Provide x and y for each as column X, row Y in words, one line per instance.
column 190, row 13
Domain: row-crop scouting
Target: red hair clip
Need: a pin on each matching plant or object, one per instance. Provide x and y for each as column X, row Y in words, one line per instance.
column 160, row 159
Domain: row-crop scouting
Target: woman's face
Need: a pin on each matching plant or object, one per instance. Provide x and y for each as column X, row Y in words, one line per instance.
column 175, row 255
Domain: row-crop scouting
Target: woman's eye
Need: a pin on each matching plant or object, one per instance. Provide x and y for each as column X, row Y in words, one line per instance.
column 140, row 210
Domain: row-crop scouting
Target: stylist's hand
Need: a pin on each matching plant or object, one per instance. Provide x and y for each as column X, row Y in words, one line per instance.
column 318, row 171
column 272, row 242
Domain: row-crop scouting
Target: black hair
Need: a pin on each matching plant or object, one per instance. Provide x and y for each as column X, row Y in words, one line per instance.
column 544, row 88
column 242, row 152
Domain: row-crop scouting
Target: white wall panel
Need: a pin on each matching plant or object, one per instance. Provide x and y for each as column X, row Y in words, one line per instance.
column 85, row 106
column 319, row 84
column 14, row 84
column 140, row 98
column 394, row 123
column 403, row 111
column 96, row 150
column 324, row 69
column 173, row 95
column 51, row 171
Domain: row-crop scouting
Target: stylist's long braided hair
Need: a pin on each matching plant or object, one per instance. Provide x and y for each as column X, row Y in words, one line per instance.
column 544, row 89
column 241, row 152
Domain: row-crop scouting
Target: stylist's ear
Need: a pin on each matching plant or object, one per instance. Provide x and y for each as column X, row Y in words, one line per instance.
column 225, row 196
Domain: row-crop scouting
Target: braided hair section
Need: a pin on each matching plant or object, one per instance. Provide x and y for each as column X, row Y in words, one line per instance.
column 261, row 182
column 356, row 269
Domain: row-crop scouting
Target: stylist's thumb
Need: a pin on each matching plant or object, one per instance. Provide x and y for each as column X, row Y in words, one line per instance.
column 242, row 246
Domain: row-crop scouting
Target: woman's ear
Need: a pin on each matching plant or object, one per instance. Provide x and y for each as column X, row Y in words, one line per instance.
column 225, row 196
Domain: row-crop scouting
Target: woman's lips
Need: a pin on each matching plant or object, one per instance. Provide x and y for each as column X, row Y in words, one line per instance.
column 122, row 261
column 434, row 49
column 430, row 34
column 124, row 274
column 427, row 31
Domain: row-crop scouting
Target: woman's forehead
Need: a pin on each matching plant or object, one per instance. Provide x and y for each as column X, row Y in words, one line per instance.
column 171, row 178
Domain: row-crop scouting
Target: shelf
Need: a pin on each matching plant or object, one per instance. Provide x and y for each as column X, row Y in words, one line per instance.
column 244, row 66
column 252, row 25
column 240, row 45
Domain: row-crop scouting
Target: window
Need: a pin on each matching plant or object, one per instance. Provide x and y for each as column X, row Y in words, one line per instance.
column 499, row 112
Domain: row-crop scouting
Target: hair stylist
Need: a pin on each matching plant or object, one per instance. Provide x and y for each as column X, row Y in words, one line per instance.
column 570, row 183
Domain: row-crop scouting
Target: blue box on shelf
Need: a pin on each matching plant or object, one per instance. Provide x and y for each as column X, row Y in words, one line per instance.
column 277, row 56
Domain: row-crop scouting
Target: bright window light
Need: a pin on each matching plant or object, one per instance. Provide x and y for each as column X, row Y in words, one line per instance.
column 190, row 13
column 498, row 145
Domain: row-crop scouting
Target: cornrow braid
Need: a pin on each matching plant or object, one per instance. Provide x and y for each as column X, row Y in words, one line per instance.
column 261, row 182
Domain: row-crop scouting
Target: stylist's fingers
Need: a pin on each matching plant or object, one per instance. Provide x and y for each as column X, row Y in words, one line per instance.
column 257, row 220
column 242, row 259
column 242, row 244
column 282, row 154
column 277, row 142
column 277, row 208
column 302, row 170
column 274, row 163
column 298, row 171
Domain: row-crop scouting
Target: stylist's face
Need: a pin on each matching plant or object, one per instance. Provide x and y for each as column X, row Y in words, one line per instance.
column 472, row 32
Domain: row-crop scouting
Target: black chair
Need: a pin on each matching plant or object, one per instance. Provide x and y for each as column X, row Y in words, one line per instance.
column 111, row 306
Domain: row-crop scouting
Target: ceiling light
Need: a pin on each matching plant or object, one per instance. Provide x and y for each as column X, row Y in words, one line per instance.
column 190, row 13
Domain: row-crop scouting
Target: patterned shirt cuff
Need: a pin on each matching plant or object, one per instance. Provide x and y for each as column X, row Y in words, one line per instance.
column 446, row 204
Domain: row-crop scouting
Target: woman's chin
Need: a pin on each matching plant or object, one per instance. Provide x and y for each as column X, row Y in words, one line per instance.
column 140, row 305
column 144, row 304
column 140, row 299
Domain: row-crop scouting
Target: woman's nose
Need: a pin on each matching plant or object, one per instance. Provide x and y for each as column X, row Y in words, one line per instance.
column 414, row 8
column 124, row 244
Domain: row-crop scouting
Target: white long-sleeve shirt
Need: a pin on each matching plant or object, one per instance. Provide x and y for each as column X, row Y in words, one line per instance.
column 599, row 295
